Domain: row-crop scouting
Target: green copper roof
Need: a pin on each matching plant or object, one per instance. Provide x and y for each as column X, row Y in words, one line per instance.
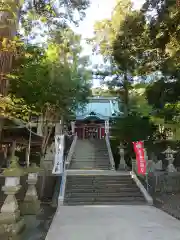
column 101, row 107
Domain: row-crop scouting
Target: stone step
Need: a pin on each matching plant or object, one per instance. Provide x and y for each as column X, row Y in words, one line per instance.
column 90, row 158
column 103, row 199
column 134, row 203
column 97, row 189
column 82, row 161
column 106, row 177
column 95, row 181
column 75, row 167
column 100, row 184
column 103, row 195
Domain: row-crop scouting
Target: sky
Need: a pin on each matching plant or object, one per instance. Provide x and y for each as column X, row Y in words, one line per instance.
column 98, row 10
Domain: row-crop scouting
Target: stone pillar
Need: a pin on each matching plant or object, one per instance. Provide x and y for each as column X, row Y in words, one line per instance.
column 31, row 204
column 10, row 220
column 134, row 165
column 122, row 164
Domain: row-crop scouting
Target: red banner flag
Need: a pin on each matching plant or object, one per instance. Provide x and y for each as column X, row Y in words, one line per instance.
column 140, row 157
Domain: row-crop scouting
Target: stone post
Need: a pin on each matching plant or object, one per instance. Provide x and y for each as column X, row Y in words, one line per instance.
column 134, row 165
column 169, row 154
column 73, row 127
column 122, row 164
column 10, row 220
column 31, row 204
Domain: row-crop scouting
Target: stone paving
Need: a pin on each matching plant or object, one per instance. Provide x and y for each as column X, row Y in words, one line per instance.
column 113, row 223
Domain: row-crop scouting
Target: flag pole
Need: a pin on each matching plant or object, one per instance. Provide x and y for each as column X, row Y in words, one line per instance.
column 146, row 158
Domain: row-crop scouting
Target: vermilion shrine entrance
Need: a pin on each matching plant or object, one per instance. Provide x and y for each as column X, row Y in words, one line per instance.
column 90, row 129
column 96, row 117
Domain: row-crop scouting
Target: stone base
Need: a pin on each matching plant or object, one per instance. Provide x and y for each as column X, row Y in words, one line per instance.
column 30, row 207
column 9, row 218
column 13, row 228
column 122, row 167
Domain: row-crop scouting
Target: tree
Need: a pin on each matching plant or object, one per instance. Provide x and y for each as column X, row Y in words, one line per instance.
column 138, row 102
column 13, row 11
column 52, row 81
column 121, row 42
column 8, row 15
column 129, row 129
column 164, row 34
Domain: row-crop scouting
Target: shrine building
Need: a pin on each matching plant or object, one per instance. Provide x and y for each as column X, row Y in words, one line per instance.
column 97, row 115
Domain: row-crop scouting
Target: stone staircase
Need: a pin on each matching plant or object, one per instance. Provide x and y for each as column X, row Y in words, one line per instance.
column 90, row 154
column 87, row 185
column 102, row 190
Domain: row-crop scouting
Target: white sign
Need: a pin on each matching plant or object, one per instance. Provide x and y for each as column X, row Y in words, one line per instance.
column 59, row 155
column 107, row 126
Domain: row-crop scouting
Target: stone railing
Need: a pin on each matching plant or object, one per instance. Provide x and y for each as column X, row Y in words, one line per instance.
column 70, row 153
column 66, row 166
column 142, row 188
column 111, row 158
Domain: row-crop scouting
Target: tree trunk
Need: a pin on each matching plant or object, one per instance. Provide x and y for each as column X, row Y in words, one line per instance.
column 8, row 26
column 126, row 95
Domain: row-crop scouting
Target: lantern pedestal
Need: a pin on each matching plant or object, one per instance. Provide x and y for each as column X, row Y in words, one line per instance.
column 171, row 168
column 10, row 221
column 31, row 204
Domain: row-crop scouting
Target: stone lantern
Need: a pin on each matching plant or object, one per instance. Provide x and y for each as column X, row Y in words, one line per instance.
column 10, row 220
column 169, row 155
column 122, row 164
column 31, row 204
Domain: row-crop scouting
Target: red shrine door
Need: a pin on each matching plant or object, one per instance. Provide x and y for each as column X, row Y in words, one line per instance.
column 85, row 132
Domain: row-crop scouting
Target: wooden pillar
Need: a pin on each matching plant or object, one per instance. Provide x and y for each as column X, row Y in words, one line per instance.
column 83, row 128
column 100, row 132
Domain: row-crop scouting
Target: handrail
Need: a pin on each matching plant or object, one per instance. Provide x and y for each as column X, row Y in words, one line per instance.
column 142, row 188
column 62, row 188
column 111, row 158
column 64, row 174
column 70, row 153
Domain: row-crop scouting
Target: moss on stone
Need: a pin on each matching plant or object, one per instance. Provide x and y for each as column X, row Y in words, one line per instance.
column 14, row 169
column 33, row 168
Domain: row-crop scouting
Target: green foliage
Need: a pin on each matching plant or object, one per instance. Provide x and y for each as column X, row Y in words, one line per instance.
column 50, row 14
column 138, row 102
column 13, row 107
column 133, row 128
column 51, row 78
column 122, row 40
column 164, row 35
column 102, row 92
